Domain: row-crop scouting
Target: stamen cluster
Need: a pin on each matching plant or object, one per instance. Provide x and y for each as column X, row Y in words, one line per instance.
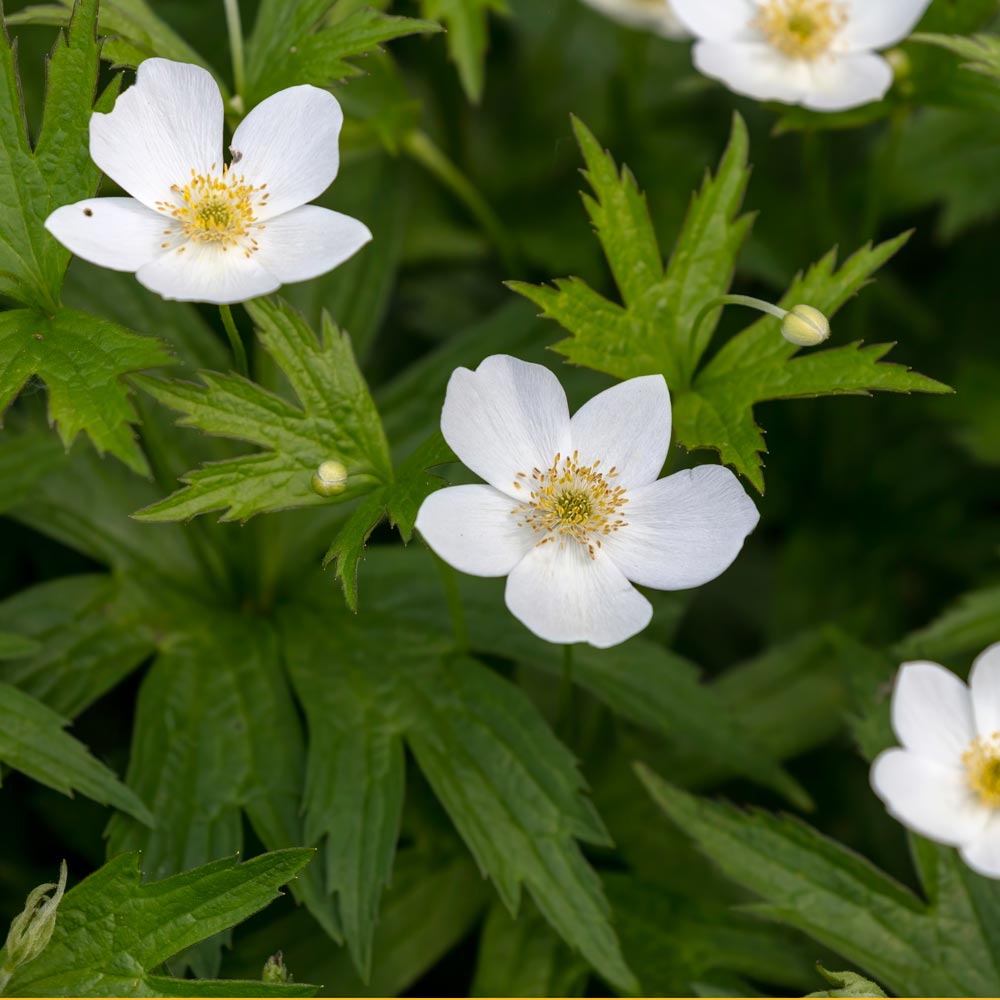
column 802, row 29
column 216, row 208
column 572, row 499
column 982, row 768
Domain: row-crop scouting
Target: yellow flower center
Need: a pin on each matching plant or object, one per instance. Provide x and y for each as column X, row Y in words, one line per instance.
column 216, row 208
column 801, row 29
column 571, row 499
column 982, row 769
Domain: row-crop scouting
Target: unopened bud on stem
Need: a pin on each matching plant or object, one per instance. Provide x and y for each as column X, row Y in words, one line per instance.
column 330, row 479
column 805, row 326
column 275, row 970
column 31, row 930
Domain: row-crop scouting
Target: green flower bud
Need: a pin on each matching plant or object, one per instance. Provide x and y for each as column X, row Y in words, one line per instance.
column 330, row 479
column 805, row 326
column 31, row 930
column 275, row 970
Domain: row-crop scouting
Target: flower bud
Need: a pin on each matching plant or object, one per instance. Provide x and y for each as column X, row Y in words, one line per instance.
column 805, row 327
column 31, row 930
column 330, row 479
column 275, row 970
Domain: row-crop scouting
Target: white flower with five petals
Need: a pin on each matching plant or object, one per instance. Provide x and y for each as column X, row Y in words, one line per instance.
column 573, row 513
column 822, row 54
column 944, row 782
column 195, row 228
column 652, row 15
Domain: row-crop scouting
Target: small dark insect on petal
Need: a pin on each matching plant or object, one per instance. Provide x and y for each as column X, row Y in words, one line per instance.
column 236, row 155
column 88, row 212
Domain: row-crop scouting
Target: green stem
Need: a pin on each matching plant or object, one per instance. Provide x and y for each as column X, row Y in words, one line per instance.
column 421, row 147
column 5, row 976
column 735, row 300
column 454, row 598
column 235, row 29
column 235, row 341
column 565, row 711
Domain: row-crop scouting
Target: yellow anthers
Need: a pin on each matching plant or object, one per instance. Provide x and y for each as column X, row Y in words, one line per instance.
column 801, row 29
column 330, row 479
column 572, row 499
column 216, row 208
column 982, row 768
column 805, row 326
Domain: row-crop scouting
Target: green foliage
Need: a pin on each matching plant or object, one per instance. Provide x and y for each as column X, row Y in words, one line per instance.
column 467, row 24
column 981, row 52
column 32, row 740
column 655, row 329
column 113, row 932
column 314, row 42
column 337, row 420
column 511, row 789
column 815, row 885
column 130, row 29
column 847, row 984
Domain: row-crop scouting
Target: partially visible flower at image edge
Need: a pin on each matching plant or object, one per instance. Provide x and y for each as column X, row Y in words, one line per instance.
column 196, row 228
column 944, row 782
column 822, row 54
column 573, row 513
column 653, row 15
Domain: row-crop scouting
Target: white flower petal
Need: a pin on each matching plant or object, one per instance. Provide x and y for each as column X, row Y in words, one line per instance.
column 656, row 16
column 626, row 427
column 507, row 416
column 984, row 685
column 877, row 25
column 683, row 530
column 120, row 233
column 308, row 241
column 290, row 142
column 717, row 20
column 204, row 273
column 932, row 712
column 563, row 595
column 831, row 83
column 840, row 82
column 982, row 853
column 928, row 797
column 163, row 127
column 472, row 528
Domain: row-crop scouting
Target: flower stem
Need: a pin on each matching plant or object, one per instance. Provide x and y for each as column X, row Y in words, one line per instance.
column 235, row 341
column 5, row 977
column 235, row 29
column 454, row 598
column 735, row 300
column 565, row 710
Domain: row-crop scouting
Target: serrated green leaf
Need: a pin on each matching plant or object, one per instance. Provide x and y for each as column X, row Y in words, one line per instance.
column 32, row 741
column 467, row 24
column 130, row 29
column 967, row 627
column 846, row 984
column 112, row 931
column 820, row 887
column 304, row 42
column 82, row 360
column 216, row 704
column 399, row 501
column 511, row 789
column 981, row 52
column 759, row 365
column 336, row 419
column 653, row 332
column 523, row 957
column 57, row 169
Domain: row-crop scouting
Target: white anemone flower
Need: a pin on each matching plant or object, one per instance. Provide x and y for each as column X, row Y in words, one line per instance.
column 650, row 15
column 573, row 513
column 944, row 782
column 195, row 228
column 822, row 54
